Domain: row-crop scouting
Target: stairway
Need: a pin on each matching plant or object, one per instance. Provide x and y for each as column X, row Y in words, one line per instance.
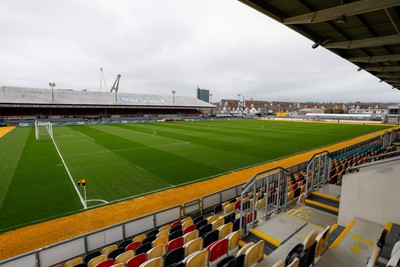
column 323, row 202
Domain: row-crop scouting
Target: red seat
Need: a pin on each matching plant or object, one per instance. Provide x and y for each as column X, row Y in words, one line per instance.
column 175, row 224
column 106, row 263
column 218, row 249
column 136, row 261
column 237, row 205
column 175, row 243
column 133, row 245
column 189, row 229
column 249, row 216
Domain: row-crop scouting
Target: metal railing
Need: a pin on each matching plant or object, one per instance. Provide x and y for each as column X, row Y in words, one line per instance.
column 317, row 171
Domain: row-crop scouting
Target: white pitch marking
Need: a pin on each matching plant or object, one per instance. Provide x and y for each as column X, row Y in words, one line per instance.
column 86, row 136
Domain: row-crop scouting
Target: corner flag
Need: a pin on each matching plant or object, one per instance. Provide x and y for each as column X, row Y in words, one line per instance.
column 82, row 182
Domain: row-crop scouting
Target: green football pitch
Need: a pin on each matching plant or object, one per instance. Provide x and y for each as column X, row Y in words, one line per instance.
column 120, row 161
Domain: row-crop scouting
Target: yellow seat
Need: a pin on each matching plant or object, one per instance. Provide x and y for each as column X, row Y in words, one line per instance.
column 225, row 230
column 193, row 246
column 155, row 252
column 186, row 219
column 244, row 249
column 254, row 254
column 187, row 223
column 197, row 259
column 229, row 208
column 310, row 239
column 163, row 240
column 93, row 262
column 212, row 218
column 73, row 262
column 290, row 196
column 108, row 249
column 123, row 257
column 156, row 262
column 233, row 241
column 190, row 236
column 165, row 227
column 139, row 238
column 322, row 242
column 217, row 223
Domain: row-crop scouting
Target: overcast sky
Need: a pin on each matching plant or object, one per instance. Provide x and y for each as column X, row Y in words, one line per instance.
column 163, row 45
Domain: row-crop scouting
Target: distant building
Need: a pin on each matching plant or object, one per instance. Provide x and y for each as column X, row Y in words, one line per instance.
column 203, row 94
column 393, row 116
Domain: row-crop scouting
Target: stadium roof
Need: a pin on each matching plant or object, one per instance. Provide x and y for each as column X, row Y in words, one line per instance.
column 365, row 32
column 35, row 96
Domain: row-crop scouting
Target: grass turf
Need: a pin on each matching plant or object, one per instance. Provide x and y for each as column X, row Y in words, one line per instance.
column 124, row 160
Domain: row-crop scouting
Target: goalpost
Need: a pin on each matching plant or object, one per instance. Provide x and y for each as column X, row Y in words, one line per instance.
column 43, row 129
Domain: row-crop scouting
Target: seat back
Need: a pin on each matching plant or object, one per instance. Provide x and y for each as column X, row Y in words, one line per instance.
column 201, row 223
column 156, row 262
column 197, row 259
column 210, row 238
column 176, row 234
column 236, row 262
column 163, row 240
column 187, row 223
column 244, row 249
column 137, row 260
column 306, row 258
column 108, row 249
column 113, row 254
column 294, row 253
column 229, row 218
column 219, row 249
column 217, row 223
column 158, row 251
column 140, row 238
column 225, row 261
column 229, row 208
column 174, row 256
column 91, row 255
column 188, row 218
column 198, row 219
column 205, row 229
column 123, row 257
column 189, row 229
column 149, row 239
column 254, row 254
column 175, row 243
column 175, row 228
column 162, row 233
column 212, row 218
column 225, row 230
column 310, row 239
column 322, row 241
column 143, row 248
column 93, row 262
column 133, row 245
column 176, row 223
column 73, row 262
column 193, row 246
column 190, row 236
column 233, row 241
column 106, row 263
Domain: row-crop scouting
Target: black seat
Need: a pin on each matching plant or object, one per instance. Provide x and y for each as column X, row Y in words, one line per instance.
column 91, row 255
column 236, row 224
column 174, row 256
column 197, row 219
column 201, row 223
column 83, row 264
column 210, row 237
column 306, row 258
column 115, row 253
column 175, row 234
column 205, row 229
column 179, row 264
column 236, row 262
column 225, row 260
column 230, row 218
column 217, row 209
column 297, row 192
column 124, row 243
column 149, row 239
column 143, row 248
column 175, row 228
column 154, row 232
column 294, row 253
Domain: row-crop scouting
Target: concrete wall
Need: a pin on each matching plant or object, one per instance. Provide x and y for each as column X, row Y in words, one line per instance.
column 372, row 194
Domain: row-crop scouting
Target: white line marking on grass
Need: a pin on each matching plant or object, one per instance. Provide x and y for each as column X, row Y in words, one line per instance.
column 86, row 135
column 154, row 133
column 69, row 174
column 97, row 200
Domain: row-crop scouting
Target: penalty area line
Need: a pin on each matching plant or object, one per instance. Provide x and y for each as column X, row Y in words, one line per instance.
column 86, row 135
column 69, row 174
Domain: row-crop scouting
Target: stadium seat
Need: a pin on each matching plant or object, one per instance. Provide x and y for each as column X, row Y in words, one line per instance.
column 254, row 254
column 225, row 230
column 73, row 262
column 229, row 208
column 143, row 248
column 187, row 223
column 156, row 262
column 218, row 250
column 306, row 258
column 83, row 264
column 189, row 229
column 225, row 261
column 105, row 263
column 198, row 219
column 175, row 234
column 229, row 218
column 149, row 239
column 175, row 228
column 136, row 261
column 108, row 249
column 163, row 233
column 212, row 218
column 139, row 238
column 236, row 262
column 133, row 245
column 118, row 265
column 123, row 257
column 175, row 224
column 243, row 249
column 93, row 262
column 201, row 223
column 190, row 236
column 310, row 239
column 193, row 246
column 155, row 252
column 161, row 240
column 217, row 223
column 302, row 199
column 165, row 227
column 197, row 259
column 294, row 254
column 205, row 229
column 175, row 243
column 174, row 256
column 217, row 209
column 91, row 255
column 233, row 241
column 188, row 218
column 210, row 238
column 113, row 254
column 151, row 233
column 322, row 242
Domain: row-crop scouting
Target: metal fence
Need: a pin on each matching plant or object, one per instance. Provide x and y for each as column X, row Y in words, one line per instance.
column 317, row 171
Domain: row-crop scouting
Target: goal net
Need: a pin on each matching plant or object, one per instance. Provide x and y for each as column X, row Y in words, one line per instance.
column 43, row 130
